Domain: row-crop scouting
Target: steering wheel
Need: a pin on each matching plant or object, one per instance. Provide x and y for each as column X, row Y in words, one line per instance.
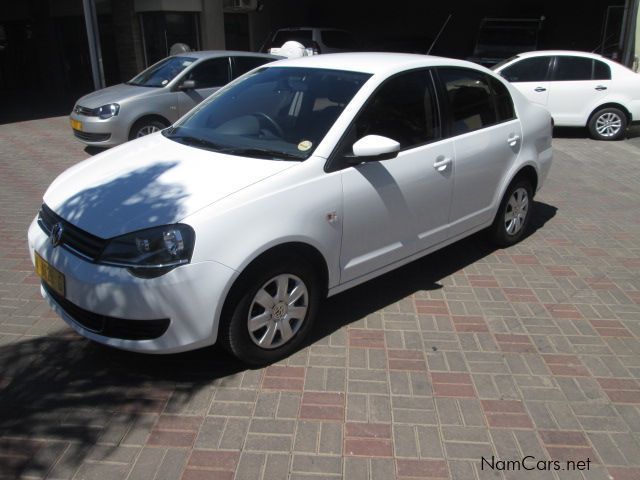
column 272, row 123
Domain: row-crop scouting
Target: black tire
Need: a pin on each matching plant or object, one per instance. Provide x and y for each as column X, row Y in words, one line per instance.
column 234, row 328
column 608, row 124
column 504, row 232
column 145, row 123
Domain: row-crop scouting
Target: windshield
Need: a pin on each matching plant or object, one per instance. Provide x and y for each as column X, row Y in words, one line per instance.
column 274, row 113
column 161, row 73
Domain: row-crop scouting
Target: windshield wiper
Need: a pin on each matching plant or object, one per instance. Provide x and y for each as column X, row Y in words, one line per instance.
column 195, row 141
column 261, row 152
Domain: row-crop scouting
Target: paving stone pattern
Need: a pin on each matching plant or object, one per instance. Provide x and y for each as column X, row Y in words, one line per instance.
column 471, row 352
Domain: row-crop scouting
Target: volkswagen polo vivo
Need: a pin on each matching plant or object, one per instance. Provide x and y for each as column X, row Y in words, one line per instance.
column 299, row 180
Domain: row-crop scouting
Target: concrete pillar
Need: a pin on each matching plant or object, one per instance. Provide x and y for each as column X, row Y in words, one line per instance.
column 212, row 25
column 126, row 30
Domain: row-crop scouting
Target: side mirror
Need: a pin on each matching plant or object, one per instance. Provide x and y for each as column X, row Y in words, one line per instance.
column 373, row 148
column 187, row 85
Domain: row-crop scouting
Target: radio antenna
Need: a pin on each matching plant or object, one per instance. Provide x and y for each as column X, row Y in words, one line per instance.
column 439, row 33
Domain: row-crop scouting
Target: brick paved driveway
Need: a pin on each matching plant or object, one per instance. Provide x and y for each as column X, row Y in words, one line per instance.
column 471, row 352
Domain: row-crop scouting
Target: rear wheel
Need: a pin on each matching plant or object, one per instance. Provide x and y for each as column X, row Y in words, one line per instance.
column 608, row 124
column 271, row 310
column 514, row 213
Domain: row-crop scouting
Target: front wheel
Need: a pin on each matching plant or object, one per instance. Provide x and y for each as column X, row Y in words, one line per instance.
column 608, row 124
column 145, row 126
column 513, row 215
column 271, row 310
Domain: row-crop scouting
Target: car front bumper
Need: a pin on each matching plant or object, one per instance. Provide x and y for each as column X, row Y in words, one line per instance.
column 97, row 132
column 190, row 297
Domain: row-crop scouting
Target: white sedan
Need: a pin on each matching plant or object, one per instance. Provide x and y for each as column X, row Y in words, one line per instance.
column 299, row 180
column 579, row 89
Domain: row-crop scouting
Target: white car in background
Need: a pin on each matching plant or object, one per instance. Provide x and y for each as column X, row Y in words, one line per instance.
column 299, row 180
column 579, row 89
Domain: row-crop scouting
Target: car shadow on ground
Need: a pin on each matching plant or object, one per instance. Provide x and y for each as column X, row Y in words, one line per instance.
column 581, row 132
column 423, row 274
column 66, row 388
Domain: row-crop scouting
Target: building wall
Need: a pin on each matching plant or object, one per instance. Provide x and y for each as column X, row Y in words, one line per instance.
column 128, row 38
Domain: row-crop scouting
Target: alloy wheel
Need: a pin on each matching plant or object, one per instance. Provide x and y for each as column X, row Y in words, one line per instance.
column 277, row 311
column 608, row 124
column 146, row 130
column 516, row 211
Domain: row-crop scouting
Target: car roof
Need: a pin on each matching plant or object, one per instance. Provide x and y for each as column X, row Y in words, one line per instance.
column 373, row 62
column 575, row 53
column 223, row 53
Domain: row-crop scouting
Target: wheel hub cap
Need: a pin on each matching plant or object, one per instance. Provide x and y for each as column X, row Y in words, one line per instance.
column 516, row 211
column 608, row 124
column 277, row 311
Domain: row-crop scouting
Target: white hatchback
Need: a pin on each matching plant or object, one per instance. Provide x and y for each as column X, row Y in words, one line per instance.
column 579, row 89
column 299, row 180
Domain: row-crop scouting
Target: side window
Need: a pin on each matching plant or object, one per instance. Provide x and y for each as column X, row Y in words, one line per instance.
column 402, row 109
column 533, row 69
column 470, row 99
column 242, row 65
column 503, row 101
column 572, row 68
column 210, row 73
column 601, row 71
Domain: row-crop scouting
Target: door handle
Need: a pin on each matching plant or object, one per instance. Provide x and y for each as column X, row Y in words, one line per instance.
column 539, row 89
column 601, row 87
column 441, row 163
column 513, row 140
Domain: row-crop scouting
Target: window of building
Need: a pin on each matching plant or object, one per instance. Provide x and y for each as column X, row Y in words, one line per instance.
column 161, row 30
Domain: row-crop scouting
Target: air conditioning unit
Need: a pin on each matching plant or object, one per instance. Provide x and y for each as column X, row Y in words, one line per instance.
column 239, row 5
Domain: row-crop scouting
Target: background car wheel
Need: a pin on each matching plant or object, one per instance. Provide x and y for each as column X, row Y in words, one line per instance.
column 608, row 124
column 145, row 126
column 514, row 213
column 270, row 310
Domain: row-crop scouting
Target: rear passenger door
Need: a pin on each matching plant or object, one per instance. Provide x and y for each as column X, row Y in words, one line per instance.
column 487, row 139
column 578, row 85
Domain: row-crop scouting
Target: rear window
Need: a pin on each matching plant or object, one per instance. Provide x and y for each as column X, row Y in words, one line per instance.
column 242, row 65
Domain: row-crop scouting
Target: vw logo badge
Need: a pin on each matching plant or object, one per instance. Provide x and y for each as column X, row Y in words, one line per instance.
column 56, row 235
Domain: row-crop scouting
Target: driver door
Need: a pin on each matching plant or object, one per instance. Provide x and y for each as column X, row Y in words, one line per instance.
column 397, row 207
column 209, row 76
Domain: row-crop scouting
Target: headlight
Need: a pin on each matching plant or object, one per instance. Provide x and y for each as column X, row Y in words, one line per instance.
column 107, row 111
column 151, row 252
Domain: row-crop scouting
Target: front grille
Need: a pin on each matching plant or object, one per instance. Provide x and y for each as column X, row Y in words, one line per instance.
column 87, row 112
column 110, row 326
column 73, row 239
column 91, row 137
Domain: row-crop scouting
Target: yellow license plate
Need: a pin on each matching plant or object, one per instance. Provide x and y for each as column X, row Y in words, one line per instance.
column 51, row 276
column 76, row 124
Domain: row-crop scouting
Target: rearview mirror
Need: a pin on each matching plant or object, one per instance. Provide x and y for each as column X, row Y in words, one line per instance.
column 373, row 148
column 188, row 85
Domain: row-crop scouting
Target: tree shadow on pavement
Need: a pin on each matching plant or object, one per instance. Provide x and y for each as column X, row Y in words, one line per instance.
column 63, row 388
